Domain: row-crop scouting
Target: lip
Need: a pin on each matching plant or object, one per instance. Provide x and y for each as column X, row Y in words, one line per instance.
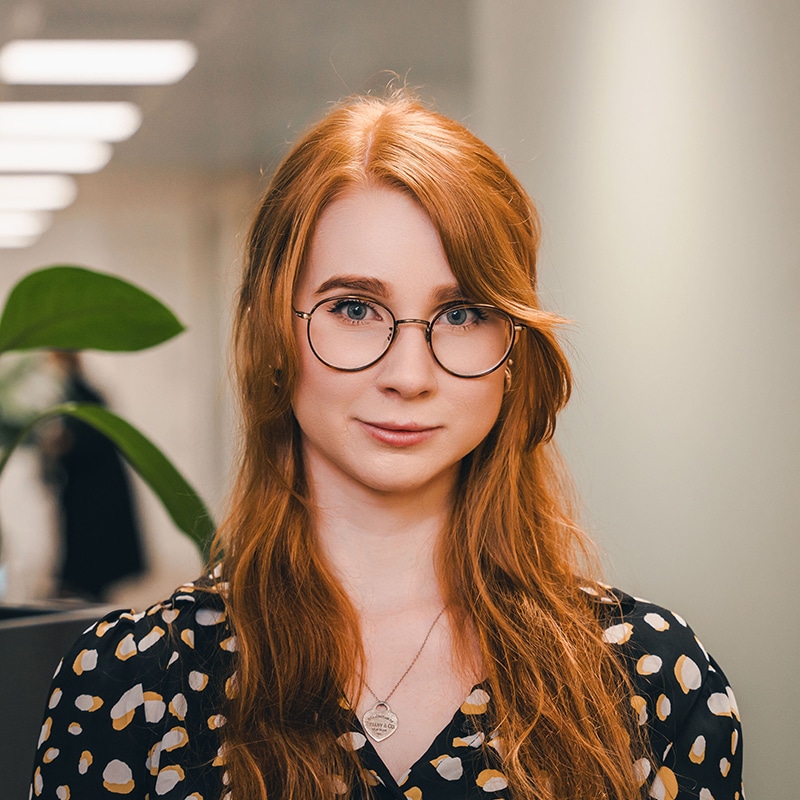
column 403, row 434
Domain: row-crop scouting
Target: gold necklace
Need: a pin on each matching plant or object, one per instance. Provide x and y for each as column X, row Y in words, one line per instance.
column 380, row 722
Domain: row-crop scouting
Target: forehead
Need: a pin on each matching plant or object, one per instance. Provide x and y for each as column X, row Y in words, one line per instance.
column 376, row 234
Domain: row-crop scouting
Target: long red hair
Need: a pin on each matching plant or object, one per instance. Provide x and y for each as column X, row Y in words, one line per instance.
column 511, row 561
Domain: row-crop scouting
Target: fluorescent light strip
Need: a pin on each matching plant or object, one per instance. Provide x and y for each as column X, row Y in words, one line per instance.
column 24, row 224
column 36, row 192
column 96, row 62
column 107, row 122
column 53, row 155
column 17, row 242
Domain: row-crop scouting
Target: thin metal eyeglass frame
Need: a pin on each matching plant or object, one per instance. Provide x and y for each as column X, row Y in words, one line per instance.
column 516, row 328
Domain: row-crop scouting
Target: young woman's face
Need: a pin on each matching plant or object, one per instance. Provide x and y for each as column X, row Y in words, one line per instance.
column 403, row 424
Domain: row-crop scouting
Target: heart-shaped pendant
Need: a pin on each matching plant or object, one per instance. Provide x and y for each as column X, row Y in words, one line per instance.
column 380, row 722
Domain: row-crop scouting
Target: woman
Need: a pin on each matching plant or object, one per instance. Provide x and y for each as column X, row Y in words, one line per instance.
column 400, row 536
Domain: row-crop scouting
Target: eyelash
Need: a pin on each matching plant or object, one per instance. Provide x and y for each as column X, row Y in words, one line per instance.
column 341, row 303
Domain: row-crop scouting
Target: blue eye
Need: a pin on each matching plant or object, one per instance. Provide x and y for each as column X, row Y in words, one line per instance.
column 356, row 311
column 458, row 316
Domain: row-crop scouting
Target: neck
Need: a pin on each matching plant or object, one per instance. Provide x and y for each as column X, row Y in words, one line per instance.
column 383, row 548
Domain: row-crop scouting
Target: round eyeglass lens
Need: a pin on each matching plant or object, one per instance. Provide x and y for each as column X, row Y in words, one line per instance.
column 350, row 333
column 471, row 340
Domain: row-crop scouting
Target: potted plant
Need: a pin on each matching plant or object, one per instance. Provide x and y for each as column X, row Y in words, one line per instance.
column 72, row 308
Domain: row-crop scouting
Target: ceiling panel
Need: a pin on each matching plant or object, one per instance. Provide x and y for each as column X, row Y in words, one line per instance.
column 264, row 70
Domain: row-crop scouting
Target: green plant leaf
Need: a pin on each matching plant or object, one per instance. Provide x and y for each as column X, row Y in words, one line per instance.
column 74, row 308
column 179, row 499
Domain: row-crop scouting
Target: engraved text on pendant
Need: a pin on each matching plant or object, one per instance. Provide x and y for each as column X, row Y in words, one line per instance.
column 380, row 722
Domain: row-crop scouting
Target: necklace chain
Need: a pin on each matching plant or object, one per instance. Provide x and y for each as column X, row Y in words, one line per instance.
column 409, row 667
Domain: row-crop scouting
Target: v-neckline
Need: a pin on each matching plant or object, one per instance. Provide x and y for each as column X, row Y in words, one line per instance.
column 374, row 762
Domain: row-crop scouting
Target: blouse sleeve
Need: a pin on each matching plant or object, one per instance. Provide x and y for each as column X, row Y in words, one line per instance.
column 686, row 705
column 121, row 706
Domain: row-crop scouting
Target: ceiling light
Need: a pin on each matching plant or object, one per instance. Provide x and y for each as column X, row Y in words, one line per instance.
column 53, row 155
column 36, row 192
column 96, row 61
column 24, row 224
column 16, row 241
column 108, row 122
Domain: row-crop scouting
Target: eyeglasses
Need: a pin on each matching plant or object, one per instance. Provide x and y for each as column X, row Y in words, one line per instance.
column 467, row 340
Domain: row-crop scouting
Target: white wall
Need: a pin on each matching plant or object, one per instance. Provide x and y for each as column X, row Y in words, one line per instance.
column 175, row 235
column 660, row 140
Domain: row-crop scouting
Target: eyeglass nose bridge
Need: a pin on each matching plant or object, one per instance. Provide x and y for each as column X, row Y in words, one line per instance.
column 411, row 321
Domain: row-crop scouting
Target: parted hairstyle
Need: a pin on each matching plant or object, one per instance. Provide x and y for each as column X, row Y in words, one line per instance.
column 511, row 561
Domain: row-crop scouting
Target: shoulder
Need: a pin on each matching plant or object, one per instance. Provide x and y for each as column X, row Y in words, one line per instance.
column 655, row 636
column 137, row 700
column 660, row 646
column 189, row 626
column 681, row 695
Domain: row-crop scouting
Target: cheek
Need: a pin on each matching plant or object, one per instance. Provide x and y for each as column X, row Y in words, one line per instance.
column 481, row 408
column 322, row 398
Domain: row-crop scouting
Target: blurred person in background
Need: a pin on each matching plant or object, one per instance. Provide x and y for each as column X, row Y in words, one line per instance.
column 100, row 536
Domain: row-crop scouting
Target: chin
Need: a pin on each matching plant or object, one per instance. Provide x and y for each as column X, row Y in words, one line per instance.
column 395, row 482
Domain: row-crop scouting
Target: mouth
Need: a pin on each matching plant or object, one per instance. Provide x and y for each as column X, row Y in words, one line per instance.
column 403, row 434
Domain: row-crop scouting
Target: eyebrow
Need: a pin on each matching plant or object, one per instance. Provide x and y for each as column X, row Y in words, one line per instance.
column 376, row 287
column 353, row 283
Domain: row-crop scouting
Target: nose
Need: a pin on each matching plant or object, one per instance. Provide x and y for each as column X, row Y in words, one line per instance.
column 408, row 368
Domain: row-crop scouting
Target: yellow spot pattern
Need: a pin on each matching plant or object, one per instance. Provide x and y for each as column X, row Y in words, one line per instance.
column 688, row 674
column 656, row 622
column 126, row 648
column 178, row 706
column 85, row 762
column 168, row 778
column 38, row 783
column 88, row 702
column 698, row 752
column 85, row 661
column 648, row 665
column 198, row 680
column 642, row 769
column 491, row 780
column 663, row 707
column 51, row 754
column 476, row 703
column 618, row 634
column 118, row 778
column 640, row 707
column 665, row 785
column 55, row 699
column 44, row 734
column 450, row 768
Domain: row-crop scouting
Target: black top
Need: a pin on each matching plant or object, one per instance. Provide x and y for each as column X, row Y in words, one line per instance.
column 101, row 539
column 136, row 705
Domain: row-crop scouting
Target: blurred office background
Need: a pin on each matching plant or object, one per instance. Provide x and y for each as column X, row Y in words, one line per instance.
column 660, row 142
